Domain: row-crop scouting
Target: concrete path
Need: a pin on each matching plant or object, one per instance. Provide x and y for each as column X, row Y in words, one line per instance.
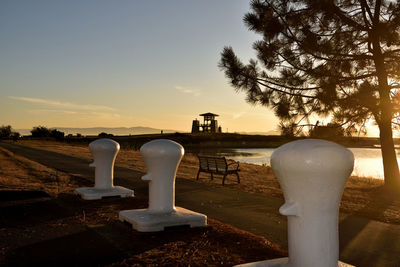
column 363, row 242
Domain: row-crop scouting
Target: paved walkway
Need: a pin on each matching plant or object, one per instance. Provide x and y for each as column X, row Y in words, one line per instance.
column 363, row 242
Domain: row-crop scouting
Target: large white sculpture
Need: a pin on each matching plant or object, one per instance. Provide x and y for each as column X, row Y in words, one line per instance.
column 104, row 152
column 312, row 174
column 162, row 158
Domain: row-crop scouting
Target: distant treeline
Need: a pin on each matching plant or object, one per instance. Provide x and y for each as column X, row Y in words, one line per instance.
column 194, row 142
column 41, row 132
column 191, row 142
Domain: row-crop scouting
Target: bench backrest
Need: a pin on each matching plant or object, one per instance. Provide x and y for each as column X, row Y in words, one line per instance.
column 203, row 162
column 212, row 163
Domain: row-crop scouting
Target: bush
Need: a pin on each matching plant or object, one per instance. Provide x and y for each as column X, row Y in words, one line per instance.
column 15, row 136
column 41, row 131
column 57, row 134
column 5, row 131
column 103, row 134
column 329, row 131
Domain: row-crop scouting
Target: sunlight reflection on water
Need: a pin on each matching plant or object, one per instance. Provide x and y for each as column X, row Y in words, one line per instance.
column 368, row 161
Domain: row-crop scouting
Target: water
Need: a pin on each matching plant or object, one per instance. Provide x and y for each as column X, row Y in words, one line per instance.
column 368, row 161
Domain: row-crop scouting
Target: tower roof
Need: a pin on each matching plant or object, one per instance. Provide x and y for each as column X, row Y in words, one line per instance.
column 209, row 114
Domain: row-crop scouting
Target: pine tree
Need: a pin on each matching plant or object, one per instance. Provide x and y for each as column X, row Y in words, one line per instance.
column 327, row 57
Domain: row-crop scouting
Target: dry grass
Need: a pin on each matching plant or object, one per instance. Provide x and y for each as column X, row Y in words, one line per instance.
column 208, row 248
column 42, row 224
column 19, row 173
column 362, row 196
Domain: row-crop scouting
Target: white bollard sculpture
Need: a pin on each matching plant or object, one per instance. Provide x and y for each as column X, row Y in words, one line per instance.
column 162, row 158
column 312, row 174
column 104, row 152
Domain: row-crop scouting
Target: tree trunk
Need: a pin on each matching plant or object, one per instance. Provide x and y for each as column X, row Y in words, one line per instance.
column 390, row 165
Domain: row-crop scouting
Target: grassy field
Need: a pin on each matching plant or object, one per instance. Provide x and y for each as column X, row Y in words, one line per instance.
column 42, row 223
column 68, row 228
column 362, row 196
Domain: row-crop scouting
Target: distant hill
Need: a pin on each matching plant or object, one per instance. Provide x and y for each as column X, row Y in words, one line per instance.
column 96, row 130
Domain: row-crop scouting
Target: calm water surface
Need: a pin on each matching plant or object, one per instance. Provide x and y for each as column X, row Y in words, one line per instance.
column 368, row 161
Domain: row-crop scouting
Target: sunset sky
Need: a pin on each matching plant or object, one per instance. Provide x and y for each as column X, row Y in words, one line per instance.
column 123, row 64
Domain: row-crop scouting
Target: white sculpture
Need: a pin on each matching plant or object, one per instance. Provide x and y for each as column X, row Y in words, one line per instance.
column 312, row 174
column 162, row 158
column 104, row 152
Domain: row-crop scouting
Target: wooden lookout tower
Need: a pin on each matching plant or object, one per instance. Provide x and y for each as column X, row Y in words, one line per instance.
column 209, row 125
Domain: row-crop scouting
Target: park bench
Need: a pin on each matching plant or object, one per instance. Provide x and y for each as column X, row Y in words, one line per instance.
column 217, row 165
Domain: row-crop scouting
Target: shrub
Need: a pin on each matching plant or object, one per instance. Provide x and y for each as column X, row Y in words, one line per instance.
column 15, row 136
column 5, row 131
column 41, row 131
column 103, row 134
column 57, row 134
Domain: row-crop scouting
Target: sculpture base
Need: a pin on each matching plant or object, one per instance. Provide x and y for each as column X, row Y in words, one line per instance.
column 92, row 193
column 143, row 220
column 281, row 262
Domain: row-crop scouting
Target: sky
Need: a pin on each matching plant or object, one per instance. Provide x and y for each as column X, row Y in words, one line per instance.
column 125, row 63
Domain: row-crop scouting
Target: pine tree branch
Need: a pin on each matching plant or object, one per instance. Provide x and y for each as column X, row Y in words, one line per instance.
column 365, row 7
column 283, row 91
column 346, row 19
column 377, row 12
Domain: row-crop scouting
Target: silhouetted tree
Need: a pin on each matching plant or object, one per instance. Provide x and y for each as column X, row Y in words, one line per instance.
column 15, row 136
column 326, row 57
column 329, row 131
column 5, row 131
column 288, row 130
column 103, row 134
column 57, row 134
column 40, row 131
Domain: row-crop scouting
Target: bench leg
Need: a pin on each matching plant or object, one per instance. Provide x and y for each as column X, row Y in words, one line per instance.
column 212, row 176
column 237, row 174
column 223, row 179
column 198, row 173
